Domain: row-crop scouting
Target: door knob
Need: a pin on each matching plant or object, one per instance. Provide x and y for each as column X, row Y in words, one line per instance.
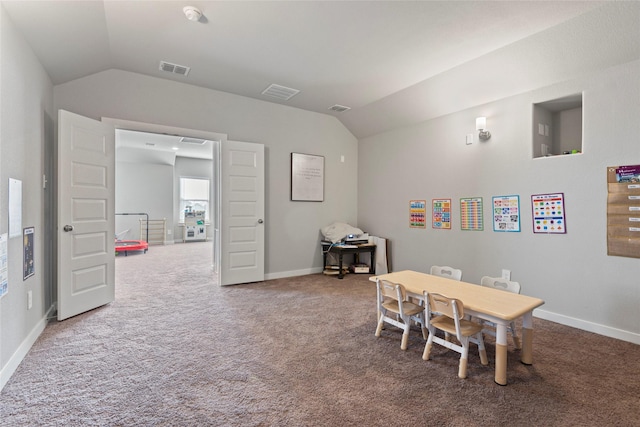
column 260, row 221
column 68, row 228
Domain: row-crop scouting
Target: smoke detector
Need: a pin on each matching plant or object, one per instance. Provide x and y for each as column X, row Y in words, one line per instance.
column 192, row 13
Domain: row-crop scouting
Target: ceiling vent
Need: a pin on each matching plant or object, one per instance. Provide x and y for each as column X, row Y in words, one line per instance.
column 174, row 68
column 339, row 108
column 194, row 141
column 280, row 92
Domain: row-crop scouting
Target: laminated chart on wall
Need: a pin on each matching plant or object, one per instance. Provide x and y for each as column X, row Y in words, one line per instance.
column 441, row 216
column 623, row 211
column 549, row 213
column 418, row 213
column 471, row 214
column 506, row 213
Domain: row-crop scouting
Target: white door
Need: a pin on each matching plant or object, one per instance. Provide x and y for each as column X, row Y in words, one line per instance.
column 86, row 226
column 242, row 213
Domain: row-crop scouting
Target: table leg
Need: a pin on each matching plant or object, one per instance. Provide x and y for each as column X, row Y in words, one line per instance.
column 324, row 258
column 501, row 354
column 340, row 265
column 372, row 264
column 526, row 356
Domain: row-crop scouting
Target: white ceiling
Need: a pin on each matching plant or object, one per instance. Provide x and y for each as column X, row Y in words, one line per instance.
column 134, row 146
column 352, row 53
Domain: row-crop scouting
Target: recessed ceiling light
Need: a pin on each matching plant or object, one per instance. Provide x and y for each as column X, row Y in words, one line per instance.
column 339, row 108
column 175, row 148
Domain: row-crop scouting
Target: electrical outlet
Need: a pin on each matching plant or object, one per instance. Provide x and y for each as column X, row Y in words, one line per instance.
column 29, row 300
column 506, row 274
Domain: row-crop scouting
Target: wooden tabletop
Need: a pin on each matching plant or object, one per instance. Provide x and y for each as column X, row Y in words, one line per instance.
column 493, row 302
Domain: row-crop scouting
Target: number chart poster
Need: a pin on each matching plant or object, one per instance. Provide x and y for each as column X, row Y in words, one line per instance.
column 471, row 214
column 441, row 214
column 418, row 213
column 548, row 213
column 506, row 213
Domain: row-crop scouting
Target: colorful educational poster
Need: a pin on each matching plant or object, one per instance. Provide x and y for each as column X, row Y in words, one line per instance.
column 441, row 214
column 471, row 214
column 506, row 213
column 418, row 213
column 548, row 213
column 29, row 266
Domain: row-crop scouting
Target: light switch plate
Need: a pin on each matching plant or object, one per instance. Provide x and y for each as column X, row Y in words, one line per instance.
column 469, row 138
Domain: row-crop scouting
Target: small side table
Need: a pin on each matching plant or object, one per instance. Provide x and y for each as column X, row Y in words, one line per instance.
column 328, row 247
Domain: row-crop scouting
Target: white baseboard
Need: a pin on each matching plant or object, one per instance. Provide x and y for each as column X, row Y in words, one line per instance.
column 585, row 325
column 17, row 357
column 293, row 273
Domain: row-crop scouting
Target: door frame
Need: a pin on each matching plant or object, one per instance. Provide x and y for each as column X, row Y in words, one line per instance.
column 218, row 138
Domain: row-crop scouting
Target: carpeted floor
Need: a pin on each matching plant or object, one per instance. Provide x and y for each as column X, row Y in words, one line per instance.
column 175, row 349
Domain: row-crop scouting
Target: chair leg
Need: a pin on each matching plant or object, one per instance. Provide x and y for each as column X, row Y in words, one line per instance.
column 514, row 334
column 462, row 369
column 427, row 348
column 380, row 324
column 405, row 340
column 423, row 327
column 481, row 349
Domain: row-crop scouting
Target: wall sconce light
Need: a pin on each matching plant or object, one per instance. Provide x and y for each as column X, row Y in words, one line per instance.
column 481, row 126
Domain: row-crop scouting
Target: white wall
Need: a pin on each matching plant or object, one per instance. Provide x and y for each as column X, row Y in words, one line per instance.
column 581, row 285
column 142, row 188
column 26, row 134
column 292, row 228
column 567, row 130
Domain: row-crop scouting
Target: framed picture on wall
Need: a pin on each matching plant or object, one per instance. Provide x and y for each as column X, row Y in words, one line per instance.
column 307, row 177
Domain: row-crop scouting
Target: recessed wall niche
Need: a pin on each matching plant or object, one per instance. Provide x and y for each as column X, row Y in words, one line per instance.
column 557, row 126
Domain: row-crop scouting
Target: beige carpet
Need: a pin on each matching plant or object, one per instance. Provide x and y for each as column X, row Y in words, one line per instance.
column 175, row 349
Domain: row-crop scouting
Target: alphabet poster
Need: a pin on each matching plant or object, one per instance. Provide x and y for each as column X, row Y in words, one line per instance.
column 548, row 213
column 506, row 213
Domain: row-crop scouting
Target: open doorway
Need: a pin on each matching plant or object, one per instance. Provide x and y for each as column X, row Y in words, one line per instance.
column 150, row 161
column 238, row 185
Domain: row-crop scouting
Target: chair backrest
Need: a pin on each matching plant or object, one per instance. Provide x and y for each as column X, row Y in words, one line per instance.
column 387, row 289
column 446, row 271
column 450, row 307
column 500, row 283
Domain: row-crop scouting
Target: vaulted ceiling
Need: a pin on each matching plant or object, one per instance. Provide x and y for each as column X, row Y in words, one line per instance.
column 366, row 55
